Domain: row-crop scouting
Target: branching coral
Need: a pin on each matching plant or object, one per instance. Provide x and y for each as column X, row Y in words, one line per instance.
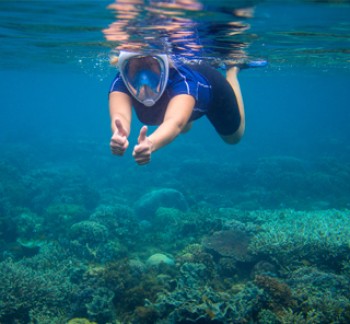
column 315, row 236
column 101, row 306
column 202, row 304
column 280, row 293
column 24, row 289
column 320, row 290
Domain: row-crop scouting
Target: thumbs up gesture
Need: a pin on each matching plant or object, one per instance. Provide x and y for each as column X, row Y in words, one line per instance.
column 143, row 150
column 119, row 141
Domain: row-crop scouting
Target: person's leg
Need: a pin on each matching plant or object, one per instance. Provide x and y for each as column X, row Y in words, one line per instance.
column 226, row 112
column 231, row 76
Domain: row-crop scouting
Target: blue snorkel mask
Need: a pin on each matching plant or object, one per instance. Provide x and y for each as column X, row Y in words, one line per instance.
column 145, row 76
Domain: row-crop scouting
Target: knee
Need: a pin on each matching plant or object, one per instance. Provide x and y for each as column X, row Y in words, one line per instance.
column 235, row 138
column 231, row 139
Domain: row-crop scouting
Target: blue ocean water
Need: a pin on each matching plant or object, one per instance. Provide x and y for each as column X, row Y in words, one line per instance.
column 256, row 232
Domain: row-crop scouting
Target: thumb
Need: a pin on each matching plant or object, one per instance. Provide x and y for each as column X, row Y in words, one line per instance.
column 119, row 127
column 143, row 134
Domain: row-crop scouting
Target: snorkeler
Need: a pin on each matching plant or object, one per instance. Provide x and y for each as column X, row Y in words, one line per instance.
column 171, row 91
column 171, row 96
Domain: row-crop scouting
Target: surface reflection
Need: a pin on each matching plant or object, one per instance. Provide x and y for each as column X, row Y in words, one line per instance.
column 186, row 28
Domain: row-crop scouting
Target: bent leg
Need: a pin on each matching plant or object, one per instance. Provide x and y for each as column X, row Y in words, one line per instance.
column 225, row 112
column 232, row 79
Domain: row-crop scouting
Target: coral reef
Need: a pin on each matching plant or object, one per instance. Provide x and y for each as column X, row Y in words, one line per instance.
column 148, row 204
column 101, row 306
column 89, row 232
column 323, row 296
column 80, row 321
column 230, row 243
column 77, row 248
column 313, row 237
column 30, row 288
column 159, row 258
column 200, row 304
column 279, row 293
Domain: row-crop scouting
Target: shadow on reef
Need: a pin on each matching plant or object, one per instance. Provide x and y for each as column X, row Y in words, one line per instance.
column 77, row 248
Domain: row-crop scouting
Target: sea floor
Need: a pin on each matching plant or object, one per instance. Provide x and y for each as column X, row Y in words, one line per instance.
column 80, row 246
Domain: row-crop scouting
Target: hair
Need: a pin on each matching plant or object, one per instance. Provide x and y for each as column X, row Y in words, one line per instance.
column 113, row 60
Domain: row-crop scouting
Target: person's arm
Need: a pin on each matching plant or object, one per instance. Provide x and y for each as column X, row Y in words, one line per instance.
column 176, row 118
column 120, row 109
column 178, row 113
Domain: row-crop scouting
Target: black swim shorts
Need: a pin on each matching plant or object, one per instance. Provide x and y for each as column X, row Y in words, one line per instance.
column 223, row 111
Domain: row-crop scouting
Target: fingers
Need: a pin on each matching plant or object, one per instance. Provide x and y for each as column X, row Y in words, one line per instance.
column 119, row 145
column 119, row 142
column 142, row 154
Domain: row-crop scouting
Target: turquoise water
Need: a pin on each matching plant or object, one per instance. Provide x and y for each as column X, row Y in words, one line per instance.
column 257, row 232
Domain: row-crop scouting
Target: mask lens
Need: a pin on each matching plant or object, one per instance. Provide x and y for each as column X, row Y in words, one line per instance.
column 145, row 78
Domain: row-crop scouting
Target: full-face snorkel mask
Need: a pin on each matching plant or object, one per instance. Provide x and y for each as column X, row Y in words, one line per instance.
column 145, row 76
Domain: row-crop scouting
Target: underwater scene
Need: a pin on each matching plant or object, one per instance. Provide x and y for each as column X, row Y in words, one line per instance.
column 207, row 232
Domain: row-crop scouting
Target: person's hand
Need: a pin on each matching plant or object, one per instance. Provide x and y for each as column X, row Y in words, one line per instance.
column 119, row 141
column 143, row 150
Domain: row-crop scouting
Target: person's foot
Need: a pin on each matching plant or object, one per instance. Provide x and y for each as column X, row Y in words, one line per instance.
column 246, row 64
column 258, row 63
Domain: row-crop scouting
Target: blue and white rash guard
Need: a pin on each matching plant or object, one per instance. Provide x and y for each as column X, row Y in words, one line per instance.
column 182, row 80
